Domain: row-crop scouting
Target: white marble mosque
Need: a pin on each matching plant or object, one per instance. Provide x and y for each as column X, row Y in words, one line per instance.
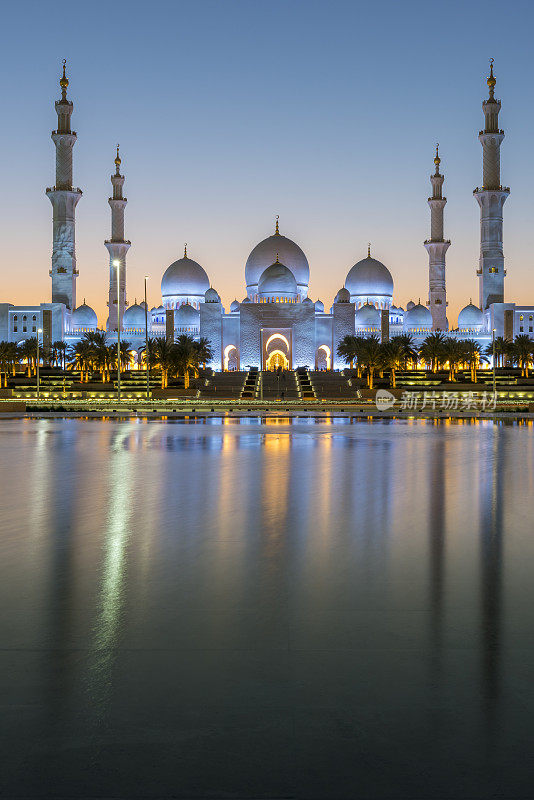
column 276, row 323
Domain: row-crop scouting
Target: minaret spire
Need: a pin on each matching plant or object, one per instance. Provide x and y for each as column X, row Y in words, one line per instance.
column 64, row 199
column 437, row 248
column 276, row 229
column 491, row 198
column 117, row 248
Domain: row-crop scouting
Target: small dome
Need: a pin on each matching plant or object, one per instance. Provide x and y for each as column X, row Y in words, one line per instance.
column 83, row 317
column 134, row 317
column 278, row 280
column 409, row 305
column 185, row 277
column 470, row 318
column 370, row 278
column 153, row 309
column 367, row 316
column 308, row 302
column 342, row 296
column 143, row 304
column 245, row 300
column 418, row 317
column 319, row 305
column 287, row 252
column 211, row 296
column 234, row 305
column 186, row 317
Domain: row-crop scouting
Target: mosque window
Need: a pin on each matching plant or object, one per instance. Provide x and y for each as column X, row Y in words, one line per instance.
column 521, row 317
column 16, row 317
column 521, row 329
column 24, row 329
column 15, row 328
column 34, row 329
column 34, row 317
column 24, row 318
column 530, row 318
column 530, row 329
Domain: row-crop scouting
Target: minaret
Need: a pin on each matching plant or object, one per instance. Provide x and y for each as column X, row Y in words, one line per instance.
column 64, row 199
column 117, row 248
column 491, row 198
column 437, row 247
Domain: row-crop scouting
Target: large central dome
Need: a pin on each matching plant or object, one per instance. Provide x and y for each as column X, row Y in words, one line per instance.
column 266, row 253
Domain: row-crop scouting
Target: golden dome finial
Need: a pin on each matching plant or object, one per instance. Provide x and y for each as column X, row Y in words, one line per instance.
column 491, row 80
column 277, row 259
column 437, row 159
column 117, row 158
column 368, row 249
column 64, row 81
column 276, row 230
column 185, row 250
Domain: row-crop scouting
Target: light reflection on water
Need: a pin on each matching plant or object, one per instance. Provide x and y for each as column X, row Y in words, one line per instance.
column 398, row 554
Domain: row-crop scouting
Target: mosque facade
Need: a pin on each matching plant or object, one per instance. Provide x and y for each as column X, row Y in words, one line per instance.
column 276, row 323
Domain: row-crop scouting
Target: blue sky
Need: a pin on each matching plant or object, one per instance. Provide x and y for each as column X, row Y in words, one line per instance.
column 231, row 112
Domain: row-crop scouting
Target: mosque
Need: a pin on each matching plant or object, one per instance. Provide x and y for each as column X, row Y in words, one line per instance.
column 276, row 323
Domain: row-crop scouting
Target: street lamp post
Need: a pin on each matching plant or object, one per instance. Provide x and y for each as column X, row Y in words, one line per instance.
column 146, row 346
column 494, row 381
column 40, row 330
column 117, row 265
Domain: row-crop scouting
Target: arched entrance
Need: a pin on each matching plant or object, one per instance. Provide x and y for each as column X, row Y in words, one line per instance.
column 276, row 348
column 323, row 357
column 231, row 358
column 277, row 359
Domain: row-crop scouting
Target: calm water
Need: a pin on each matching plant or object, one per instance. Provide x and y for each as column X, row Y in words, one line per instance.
column 244, row 610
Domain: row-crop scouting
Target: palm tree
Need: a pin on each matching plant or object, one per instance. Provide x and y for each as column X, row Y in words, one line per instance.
column 522, row 352
column 164, row 358
column 454, row 354
column 28, row 352
column 186, row 357
column 349, row 349
column 502, row 349
column 80, row 357
column 5, row 362
column 13, row 356
column 151, row 342
column 370, row 357
column 392, row 356
column 431, row 350
column 111, row 355
column 409, row 348
column 204, row 351
column 472, row 356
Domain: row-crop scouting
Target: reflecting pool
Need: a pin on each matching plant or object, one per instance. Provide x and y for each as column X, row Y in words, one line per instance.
column 308, row 608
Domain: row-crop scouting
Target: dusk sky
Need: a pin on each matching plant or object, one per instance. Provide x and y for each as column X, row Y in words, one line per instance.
column 228, row 113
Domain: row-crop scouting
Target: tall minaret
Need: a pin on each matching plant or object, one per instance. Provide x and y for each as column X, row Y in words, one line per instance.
column 491, row 198
column 64, row 199
column 117, row 248
column 437, row 247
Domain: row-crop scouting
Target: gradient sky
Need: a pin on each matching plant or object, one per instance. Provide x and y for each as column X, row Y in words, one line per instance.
column 229, row 112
